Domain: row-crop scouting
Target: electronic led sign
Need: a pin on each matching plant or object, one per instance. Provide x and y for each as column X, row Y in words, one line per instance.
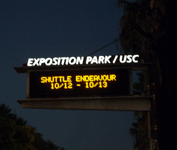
column 78, row 83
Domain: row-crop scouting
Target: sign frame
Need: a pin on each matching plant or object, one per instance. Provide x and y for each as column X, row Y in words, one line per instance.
column 92, row 69
column 130, row 102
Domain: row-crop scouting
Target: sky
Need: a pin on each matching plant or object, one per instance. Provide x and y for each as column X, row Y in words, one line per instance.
column 57, row 28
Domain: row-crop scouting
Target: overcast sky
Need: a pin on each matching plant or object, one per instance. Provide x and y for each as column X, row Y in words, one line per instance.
column 55, row 28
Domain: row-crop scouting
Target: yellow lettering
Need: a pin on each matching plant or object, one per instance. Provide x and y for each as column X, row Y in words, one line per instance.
column 64, row 80
column 52, row 86
column 105, row 84
column 43, row 79
column 96, row 77
column 69, row 78
column 91, row 81
column 70, row 85
column 55, row 77
column 57, row 86
column 113, row 77
column 92, row 78
column 86, row 78
column 78, row 78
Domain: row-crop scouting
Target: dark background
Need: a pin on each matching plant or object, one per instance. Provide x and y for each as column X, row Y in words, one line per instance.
column 114, row 88
column 58, row 28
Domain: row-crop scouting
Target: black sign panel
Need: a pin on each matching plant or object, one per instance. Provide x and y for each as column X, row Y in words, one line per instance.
column 78, row 83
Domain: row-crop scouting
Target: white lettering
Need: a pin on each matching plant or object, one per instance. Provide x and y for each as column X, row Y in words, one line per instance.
column 30, row 61
column 88, row 59
column 80, row 60
column 94, row 60
column 133, row 58
column 67, row 60
column 55, row 61
column 129, row 58
column 48, row 61
column 120, row 59
column 115, row 58
column 63, row 60
column 72, row 60
column 41, row 61
column 36, row 61
column 59, row 60
column 107, row 59
column 101, row 60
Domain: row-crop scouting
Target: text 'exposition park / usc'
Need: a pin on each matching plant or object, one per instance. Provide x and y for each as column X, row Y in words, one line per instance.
column 89, row 60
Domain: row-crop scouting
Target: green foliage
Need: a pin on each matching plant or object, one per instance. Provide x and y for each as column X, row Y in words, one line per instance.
column 7, row 132
column 25, row 136
column 140, row 133
column 134, row 25
column 16, row 135
column 40, row 143
column 141, row 25
column 144, row 29
column 139, row 129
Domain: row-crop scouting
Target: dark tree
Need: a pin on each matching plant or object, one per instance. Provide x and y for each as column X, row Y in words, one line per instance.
column 149, row 26
column 15, row 134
